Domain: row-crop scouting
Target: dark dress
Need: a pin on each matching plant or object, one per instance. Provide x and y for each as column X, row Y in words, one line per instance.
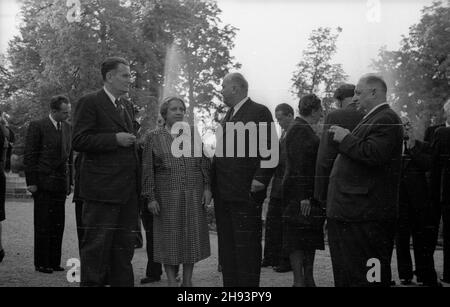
column 298, row 184
column 2, row 176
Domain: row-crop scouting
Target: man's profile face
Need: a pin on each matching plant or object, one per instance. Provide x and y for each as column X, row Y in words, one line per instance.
column 363, row 96
column 283, row 120
column 120, row 79
column 62, row 114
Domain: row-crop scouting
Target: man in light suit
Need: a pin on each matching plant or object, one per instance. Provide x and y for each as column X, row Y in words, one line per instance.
column 347, row 116
column 239, row 185
column 48, row 166
column 363, row 191
column 109, row 179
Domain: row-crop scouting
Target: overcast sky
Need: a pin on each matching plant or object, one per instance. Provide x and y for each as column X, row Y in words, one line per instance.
column 273, row 33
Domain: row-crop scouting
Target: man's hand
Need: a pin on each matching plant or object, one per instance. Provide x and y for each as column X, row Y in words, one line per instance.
column 306, row 207
column 207, row 197
column 339, row 133
column 257, row 186
column 125, row 139
column 32, row 188
column 154, row 208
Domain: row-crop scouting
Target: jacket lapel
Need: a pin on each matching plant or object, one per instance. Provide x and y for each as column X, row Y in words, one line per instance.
column 369, row 118
column 107, row 106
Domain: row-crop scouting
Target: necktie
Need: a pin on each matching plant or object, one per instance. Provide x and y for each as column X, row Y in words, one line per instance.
column 229, row 115
column 58, row 126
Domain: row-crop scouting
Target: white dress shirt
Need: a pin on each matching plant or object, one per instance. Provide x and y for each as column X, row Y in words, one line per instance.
column 239, row 105
column 111, row 97
column 376, row 108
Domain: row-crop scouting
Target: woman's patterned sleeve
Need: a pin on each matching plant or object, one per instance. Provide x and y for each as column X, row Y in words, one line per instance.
column 148, row 172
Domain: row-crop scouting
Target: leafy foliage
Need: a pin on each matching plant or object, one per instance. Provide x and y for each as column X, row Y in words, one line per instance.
column 315, row 73
column 419, row 72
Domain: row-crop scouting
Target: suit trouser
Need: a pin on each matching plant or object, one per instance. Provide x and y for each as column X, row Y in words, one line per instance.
column 413, row 222
column 352, row 245
column 79, row 221
column 446, row 234
column 49, row 219
column 239, row 228
column 108, row 243
column 154, row 269
column 273, row 252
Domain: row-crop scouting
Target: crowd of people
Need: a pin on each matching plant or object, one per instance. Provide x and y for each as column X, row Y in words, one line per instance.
column 365, row 176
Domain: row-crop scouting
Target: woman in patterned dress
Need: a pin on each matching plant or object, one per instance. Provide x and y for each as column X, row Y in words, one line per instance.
column 178, row 192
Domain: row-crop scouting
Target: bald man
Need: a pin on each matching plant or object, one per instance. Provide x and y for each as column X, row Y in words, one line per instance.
column 363, row 191
column 239, row 187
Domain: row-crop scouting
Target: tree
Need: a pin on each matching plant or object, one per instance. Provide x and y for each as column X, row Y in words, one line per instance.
column 419, row 72
column 54, row 55
column 199, row 49
column 315, row 73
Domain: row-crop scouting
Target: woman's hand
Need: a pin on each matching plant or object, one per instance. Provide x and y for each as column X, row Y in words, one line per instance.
column 207, row 197
column 306, row 207
column 154, row 208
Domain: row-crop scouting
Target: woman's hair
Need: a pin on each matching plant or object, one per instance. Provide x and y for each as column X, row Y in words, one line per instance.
column 166, row 103
column 308, row 104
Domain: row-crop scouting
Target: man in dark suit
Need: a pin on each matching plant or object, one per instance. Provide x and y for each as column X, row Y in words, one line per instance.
column 76, row 198
column 240, row 178
column 109, row 179
column 48, row 174
column 273, row 253
column 440, row 185
column 415, row 212
column 363, row 191
column 348, row 117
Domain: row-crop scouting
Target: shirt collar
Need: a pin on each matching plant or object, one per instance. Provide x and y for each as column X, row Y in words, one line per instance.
column 111, row 96
column 376, row 108
column 239, row 105
column 54, row 122
column 447, row 124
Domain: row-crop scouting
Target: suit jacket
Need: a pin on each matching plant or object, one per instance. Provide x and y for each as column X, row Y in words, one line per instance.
column 277, row 183
column 302, row 144
column 440, row 172
column 364, row 182
column 347, row 118
column 48, row 158
column 413, row 184
column 232, row 176
column 108, row 173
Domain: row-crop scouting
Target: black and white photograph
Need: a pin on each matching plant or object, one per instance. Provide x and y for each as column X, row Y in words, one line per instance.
column 225, row 144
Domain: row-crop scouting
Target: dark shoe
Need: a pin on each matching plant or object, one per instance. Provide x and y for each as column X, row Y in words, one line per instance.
column 2, row 255
column 58, row 269
column 445, row 280
column 44, row 270
column 406, row 282
column 435, row 284
column 149, row 280
column 282, row 269
column 392, row 283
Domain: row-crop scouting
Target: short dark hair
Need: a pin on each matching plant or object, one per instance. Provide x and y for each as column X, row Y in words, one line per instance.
column 166, row 103
column 285, row 108
column 374, row 79
column 111, row 64
column 308, row 104
column 57, row 101
column 344, row 91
